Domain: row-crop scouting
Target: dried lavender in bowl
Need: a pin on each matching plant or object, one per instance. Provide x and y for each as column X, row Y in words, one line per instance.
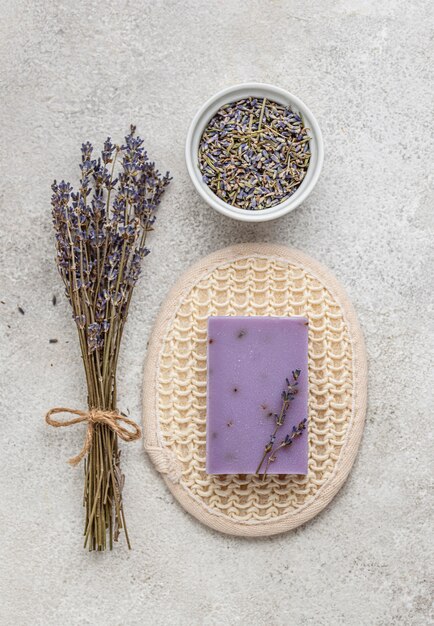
column 254, row 153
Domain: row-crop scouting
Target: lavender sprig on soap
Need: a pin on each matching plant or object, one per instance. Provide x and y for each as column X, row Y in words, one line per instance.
column 296, row 432
column 288, row 394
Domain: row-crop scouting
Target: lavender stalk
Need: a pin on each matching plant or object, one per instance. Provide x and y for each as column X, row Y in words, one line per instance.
column 288, row 394
column 297, row 431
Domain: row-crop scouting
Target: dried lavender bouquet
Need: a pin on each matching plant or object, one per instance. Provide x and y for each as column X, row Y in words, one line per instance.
column 101, row 233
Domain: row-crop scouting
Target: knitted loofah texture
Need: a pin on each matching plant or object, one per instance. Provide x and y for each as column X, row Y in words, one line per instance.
column 254, row 279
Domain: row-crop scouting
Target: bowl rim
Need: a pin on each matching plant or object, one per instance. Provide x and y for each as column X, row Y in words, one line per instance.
column 287, row 205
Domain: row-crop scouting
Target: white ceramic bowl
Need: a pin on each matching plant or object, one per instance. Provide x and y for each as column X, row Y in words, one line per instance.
column 239, row 92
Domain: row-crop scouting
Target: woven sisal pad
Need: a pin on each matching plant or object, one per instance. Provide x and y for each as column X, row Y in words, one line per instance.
column 254, row 279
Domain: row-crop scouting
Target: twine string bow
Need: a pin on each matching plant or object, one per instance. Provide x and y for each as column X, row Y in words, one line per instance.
column 112, row 419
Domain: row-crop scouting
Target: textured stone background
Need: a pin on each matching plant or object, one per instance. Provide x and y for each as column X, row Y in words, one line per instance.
column 72, row 71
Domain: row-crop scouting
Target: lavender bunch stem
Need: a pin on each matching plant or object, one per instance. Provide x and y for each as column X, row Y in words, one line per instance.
column 101, row 231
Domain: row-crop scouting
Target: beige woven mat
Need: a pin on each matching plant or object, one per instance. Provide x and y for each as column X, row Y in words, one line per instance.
column 254, row 279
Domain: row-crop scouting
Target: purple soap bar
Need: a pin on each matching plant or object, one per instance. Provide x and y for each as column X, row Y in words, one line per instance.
column 249, row 359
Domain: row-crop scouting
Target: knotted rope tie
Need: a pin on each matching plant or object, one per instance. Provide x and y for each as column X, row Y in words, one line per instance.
column 111, row 419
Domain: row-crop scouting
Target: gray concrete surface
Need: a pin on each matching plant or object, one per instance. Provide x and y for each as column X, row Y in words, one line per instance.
column 73, row 71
